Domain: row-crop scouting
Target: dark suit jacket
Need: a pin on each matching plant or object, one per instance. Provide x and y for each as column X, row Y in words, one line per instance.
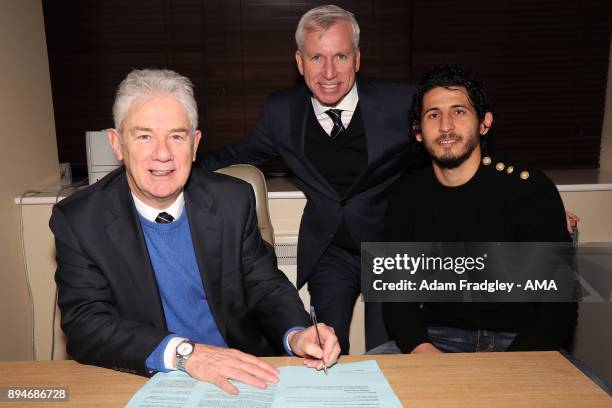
column 111, row 309
column 280, row 131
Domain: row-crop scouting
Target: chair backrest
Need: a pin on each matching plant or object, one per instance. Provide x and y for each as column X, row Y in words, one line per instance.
column 255, row 177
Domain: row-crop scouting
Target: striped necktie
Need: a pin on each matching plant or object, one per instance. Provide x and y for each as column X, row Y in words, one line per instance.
column 335, row 115
column 164, row 218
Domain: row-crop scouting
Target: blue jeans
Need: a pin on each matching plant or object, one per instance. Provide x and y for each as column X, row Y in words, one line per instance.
column 456, row 340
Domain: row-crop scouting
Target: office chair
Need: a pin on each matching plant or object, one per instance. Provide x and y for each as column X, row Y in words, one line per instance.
column 255, row 177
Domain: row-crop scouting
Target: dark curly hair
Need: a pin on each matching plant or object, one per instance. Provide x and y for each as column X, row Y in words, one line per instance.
column 450, row 76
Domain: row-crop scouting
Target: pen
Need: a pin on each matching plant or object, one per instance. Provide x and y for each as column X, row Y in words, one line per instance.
column 313, row 317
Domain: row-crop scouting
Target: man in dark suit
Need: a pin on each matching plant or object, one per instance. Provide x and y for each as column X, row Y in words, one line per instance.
column 157, row 271
column 344, row 138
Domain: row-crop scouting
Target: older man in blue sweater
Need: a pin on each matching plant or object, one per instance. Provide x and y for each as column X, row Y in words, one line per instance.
column 162, row 267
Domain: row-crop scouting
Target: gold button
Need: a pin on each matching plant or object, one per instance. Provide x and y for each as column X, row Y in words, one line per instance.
column 500, row 166
column 509, row 170
column 524, row 175
column 486, row 160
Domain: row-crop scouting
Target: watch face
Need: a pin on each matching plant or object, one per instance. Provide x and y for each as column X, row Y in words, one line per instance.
column 184, row 349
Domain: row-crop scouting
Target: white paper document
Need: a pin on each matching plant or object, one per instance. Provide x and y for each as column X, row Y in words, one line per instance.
column 348, row 385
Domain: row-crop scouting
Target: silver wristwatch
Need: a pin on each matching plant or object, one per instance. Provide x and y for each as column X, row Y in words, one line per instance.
column 184, row 350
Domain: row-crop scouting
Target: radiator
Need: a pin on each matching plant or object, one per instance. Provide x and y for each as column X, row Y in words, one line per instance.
column 285, row 247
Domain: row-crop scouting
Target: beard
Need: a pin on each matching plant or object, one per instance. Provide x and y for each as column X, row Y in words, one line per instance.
column 446, row 159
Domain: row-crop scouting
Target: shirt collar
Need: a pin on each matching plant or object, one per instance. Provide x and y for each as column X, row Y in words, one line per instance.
column 175, row 209
column 348, row 103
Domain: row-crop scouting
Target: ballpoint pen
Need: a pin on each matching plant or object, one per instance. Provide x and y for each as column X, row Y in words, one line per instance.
column 313, row 317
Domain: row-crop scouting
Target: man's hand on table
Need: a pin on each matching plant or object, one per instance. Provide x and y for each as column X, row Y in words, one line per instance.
column 304, row 343
column 217, row 365
column 425, row 348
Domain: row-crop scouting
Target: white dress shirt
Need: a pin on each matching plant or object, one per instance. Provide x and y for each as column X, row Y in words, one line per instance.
column 175, row 209
column 348, row 104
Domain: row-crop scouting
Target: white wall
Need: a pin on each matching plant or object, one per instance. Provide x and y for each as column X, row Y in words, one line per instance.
column 29, row 156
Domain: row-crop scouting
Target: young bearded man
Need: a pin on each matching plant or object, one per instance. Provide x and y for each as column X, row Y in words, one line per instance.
column 467, row 196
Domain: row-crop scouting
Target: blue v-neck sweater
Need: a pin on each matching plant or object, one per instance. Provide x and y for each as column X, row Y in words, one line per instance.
column 180, row 286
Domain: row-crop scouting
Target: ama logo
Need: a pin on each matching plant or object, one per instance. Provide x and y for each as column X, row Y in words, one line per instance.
column 540, row 285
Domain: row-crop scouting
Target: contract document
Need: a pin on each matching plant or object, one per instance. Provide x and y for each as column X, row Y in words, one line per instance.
column 348, row 385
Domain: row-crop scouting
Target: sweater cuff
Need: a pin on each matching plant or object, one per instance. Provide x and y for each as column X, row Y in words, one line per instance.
column 161, row 359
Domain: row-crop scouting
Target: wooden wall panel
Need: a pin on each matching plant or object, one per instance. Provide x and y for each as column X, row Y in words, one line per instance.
column 545, row 62
column 545, row 66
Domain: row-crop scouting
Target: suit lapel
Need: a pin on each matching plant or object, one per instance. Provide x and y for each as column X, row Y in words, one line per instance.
column 207, row 236
column 374, row 126
column 125, row 232
column 373, row 120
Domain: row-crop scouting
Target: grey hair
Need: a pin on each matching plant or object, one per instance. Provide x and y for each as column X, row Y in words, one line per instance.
column 322, row 18
column 147, row 83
